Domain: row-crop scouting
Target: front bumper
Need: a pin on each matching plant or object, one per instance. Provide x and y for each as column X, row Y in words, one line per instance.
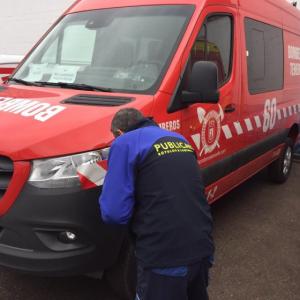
column 30, row 229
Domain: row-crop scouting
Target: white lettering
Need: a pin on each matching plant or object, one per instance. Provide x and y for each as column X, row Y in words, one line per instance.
column 49, row 113
column 270, row 114
column 29, row 108
column 294, row 52
column 170, row 125
column 35, row 109
column 20, row 108
column 294, row 69
column 8, row 102
column 16, row 105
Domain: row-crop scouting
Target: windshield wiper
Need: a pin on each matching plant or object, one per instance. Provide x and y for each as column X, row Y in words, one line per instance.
column 79, row 86
column 21, row 81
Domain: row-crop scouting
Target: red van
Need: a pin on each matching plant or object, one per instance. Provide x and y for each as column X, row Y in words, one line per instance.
column 224, row 73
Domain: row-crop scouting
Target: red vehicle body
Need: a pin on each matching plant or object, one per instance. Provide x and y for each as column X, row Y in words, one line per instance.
column 252, row 124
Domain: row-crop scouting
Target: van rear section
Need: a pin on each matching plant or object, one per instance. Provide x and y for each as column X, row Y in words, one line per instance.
column 217, row 71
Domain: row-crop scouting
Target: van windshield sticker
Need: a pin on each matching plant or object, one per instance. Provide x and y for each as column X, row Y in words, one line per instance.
column 66, row 74
column 37, row 110
column 36, row 72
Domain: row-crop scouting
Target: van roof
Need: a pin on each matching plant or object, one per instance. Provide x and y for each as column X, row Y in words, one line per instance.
column 276, row 11
column 83, row 5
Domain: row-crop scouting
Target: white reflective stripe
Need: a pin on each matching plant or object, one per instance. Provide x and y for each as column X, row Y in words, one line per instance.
column 284, row 112
column 249, row 124
column 137, row 297
column 93, row 172
column 279, row 114
column 238, row 128
column 295, row 108
column 196, row 138
column 257, row 121
column 290, row 110
column 227, row 132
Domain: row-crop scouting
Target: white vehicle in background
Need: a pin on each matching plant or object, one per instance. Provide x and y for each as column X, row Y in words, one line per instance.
column 7, row 64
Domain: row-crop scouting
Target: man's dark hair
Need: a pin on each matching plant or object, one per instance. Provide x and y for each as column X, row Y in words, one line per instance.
column 124, row 119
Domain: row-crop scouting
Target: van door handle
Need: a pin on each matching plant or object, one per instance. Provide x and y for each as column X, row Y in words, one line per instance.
column 229, row 108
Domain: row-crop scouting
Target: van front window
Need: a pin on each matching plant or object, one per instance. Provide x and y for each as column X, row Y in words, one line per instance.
column 120, row 49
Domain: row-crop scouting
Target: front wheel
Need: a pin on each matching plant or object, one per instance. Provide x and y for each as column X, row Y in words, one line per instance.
column 280, row 169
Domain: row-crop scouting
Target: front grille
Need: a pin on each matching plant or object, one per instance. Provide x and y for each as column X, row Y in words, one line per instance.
column 6, row 173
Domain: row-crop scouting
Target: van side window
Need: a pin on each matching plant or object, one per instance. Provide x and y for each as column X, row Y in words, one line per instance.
column 214, row 43
column 264, row 57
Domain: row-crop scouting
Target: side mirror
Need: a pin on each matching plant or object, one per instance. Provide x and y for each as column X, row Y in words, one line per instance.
column 202, row 85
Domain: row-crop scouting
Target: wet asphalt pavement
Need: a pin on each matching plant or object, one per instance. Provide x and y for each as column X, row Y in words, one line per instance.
column 257, row 235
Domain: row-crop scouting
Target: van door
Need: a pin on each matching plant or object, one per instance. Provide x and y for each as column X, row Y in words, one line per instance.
column 263, row 93
column 214, row 129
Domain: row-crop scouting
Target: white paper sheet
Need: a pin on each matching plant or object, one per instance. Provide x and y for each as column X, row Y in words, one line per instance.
column 65, row 74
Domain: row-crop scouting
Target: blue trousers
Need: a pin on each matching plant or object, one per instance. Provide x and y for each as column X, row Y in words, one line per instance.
column 192, row 286
column 297, row 148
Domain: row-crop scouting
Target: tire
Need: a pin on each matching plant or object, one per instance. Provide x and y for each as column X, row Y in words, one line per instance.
column 122, row 276
column 280, row 169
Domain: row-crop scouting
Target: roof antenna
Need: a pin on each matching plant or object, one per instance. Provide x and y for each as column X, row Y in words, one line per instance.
column 294, row 3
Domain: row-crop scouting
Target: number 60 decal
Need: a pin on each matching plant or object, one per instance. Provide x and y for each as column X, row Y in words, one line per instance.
column 270, row 114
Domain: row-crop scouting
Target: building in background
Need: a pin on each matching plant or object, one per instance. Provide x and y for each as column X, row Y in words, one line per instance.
column 22, row 23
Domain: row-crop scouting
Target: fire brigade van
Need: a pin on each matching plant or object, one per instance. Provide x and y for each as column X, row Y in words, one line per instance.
column 223, row 73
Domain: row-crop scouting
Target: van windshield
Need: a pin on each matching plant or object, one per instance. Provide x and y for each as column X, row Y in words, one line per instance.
column 120, row 49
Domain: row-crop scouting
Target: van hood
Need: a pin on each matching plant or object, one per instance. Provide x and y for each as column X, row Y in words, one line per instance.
column 47, row 122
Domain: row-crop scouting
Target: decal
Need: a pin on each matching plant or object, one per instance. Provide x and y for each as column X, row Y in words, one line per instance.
column 238, row 128
column 39, row 111
column 211, row 129
column 294, row 54
column 265, row 122
column 170, row 125
column 172, row 147
column 197, row 140
column 92, row 174
column 227, row 132
column 270, row 114
column 212, row 193
column 249, row 124
column 211, row 157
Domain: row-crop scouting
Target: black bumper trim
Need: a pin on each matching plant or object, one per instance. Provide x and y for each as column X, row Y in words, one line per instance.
column 51, row 211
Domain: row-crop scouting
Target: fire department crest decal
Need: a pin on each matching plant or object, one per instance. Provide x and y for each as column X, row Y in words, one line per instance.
column 211, row 129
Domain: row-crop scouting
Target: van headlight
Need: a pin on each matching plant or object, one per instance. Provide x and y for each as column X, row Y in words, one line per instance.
column 62, row 172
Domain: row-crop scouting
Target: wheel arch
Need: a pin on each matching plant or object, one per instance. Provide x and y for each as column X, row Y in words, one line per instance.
column 294, row 132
